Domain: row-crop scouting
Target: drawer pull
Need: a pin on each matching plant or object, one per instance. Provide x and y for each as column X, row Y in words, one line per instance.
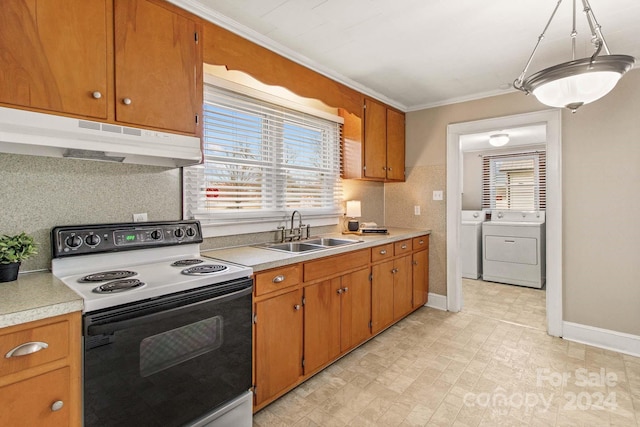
column 403, row 247
column 57, row 405
column 509, row 241
column 421, row 242
column 383, row 252
column 26, row 349
column 278, row 279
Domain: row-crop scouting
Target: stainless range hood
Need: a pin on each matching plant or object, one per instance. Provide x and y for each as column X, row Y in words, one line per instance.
column 27, row 132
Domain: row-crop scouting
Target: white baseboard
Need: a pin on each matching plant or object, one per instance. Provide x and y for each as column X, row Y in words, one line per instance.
column 437, row 301
column 603, row 338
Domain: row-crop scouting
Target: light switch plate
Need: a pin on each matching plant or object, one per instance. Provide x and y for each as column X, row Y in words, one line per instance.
column 416, row 210
column 437, row 195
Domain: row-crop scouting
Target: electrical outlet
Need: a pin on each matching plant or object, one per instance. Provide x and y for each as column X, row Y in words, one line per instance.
column 140, row 217
column 416, row 210
column 437, row 195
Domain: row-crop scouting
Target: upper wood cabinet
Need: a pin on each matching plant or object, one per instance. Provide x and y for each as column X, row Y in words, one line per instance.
column 374, row 148
column 137, row 62
column 54, row 55
column 157, row 61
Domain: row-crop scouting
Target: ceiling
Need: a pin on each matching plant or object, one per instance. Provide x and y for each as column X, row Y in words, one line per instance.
column 529, row 137
column 415, row 54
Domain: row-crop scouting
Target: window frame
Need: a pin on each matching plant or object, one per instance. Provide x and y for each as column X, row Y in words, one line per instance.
column 220, row 223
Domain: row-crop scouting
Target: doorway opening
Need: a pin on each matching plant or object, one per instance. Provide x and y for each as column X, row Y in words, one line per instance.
column 549, row 122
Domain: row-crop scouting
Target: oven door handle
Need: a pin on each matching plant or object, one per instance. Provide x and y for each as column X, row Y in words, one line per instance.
column 111, row 327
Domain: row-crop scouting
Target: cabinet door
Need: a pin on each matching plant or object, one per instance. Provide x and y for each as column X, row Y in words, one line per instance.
column 30, row 402
column 54, row 55
column 278, row 344
column 157, row 59
column 375, row 140
column 321, row 323
column 395, row 145
column 356, row 309
column 402, row 288
column 382, row 296
column 420, row 277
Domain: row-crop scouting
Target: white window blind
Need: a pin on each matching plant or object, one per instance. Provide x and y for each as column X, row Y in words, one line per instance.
column 261, row 162
column 514, row 181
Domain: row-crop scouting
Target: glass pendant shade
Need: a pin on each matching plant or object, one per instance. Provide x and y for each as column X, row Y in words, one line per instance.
column 575, row 83
column 579, row 81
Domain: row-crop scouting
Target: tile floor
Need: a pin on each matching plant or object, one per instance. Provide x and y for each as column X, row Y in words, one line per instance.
column 490, row 365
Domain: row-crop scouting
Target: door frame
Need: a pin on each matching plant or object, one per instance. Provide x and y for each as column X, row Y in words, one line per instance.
column 552, row 119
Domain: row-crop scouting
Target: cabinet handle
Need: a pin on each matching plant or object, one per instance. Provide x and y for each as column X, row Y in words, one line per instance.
column 278, row 279
column 296, row 307
column 403, row 247
column 389, row 169
column 383, row 252
column 394, row 270
column 26, row 349
column 339, row 291
column 415, row 262
column 57, row 405
column 384, row 168
column 345, row 289
column 96, row 95
column 126, row 101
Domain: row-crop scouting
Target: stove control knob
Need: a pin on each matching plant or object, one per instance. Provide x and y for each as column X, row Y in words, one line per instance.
column 179, row 233
column 191, row 232
column 156, row 234
column 92, row 239
column 73, row 241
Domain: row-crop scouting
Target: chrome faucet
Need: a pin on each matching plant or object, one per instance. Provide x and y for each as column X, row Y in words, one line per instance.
column 293, row 215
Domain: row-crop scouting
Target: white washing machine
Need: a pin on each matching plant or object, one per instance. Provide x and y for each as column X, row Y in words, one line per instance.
column 514, row 248
column 471, row 243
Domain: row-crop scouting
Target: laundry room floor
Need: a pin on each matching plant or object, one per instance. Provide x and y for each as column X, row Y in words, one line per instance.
column 484, row 366
column 510, row 303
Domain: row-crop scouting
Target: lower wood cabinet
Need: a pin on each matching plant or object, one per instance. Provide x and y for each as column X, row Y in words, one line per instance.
column 309, row 314
column 40, row 373
column 420, row 272
column 278, row 341
column 337, row 316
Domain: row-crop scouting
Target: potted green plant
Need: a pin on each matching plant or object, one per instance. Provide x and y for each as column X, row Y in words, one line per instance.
column 13, row 250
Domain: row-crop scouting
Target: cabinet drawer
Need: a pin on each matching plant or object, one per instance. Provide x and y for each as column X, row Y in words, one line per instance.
column 55, row 336
column 402, row 247
column 44, row 400
column 331, row 266
column 382, row 252
column 280, row 278
column 421, row 242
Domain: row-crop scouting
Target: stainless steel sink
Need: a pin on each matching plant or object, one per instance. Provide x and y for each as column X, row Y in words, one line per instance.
column 294, row 247
column 308, row 245
column 330, row 241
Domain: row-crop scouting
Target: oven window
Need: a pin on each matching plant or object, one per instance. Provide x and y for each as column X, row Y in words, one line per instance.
column 162, row 351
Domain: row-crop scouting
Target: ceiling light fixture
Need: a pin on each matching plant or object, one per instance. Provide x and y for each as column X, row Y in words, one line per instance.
column 579, row 81
column 499, row 139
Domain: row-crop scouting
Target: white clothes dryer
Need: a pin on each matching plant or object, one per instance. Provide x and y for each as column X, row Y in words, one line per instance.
column 514, row 248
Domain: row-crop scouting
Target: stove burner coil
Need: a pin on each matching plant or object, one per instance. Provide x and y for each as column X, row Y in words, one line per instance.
column 186, row 262
column 118, row 286
column 107, row 275
column 199, row 270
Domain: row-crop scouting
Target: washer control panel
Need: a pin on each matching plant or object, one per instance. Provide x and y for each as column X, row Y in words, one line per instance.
column 89, row 239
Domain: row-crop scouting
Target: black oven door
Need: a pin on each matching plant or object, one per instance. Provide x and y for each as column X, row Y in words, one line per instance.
column 168, row 361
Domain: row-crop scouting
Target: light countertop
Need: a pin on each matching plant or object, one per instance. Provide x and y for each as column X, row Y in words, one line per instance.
column 260, row 258
column 35, row 296
column 39, row 295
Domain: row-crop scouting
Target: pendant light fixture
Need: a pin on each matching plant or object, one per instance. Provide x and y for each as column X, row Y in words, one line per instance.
column 579, row 81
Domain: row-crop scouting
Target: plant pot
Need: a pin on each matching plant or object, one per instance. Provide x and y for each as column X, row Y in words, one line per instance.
column 9, row 272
